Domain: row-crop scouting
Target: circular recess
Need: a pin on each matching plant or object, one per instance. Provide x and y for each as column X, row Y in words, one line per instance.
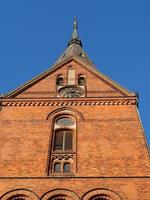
column 65, row 121
column 71, row 91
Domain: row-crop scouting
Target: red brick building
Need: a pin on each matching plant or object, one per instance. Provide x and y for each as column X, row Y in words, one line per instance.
column 72, row 133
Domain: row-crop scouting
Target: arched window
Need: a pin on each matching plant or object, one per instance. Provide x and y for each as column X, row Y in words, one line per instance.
column 62, row 167
column 19, row 194
column 81, row 80
column 66, row 167
column 101, row 194
column 60, row 80
column 57, row 167
column 60, row 194
column 63, row 144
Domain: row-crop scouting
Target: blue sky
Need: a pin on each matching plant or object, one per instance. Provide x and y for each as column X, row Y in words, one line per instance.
column 115, row 34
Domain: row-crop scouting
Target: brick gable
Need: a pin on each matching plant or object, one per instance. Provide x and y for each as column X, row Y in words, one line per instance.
column 44, row 86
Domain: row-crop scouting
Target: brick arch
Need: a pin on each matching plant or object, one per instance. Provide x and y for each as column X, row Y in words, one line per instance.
column 66, row 110
column 18, row 194
column 62, row 194
column 102, row 193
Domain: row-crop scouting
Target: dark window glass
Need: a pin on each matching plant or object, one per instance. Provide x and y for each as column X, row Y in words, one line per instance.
column 60, row 80
column 81, row 80
column 58, row 144
column 17, row 197
column 100, row 197
column 57, row 167
column 63, row 140
column 66, row 167
column 58, row 197
column 68, row 140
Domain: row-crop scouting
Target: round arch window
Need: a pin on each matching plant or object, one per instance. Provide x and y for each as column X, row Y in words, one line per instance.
column 60, row 80
column 81, row 80
column 65, row 121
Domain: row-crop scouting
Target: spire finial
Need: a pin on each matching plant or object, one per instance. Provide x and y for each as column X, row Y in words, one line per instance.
column 75, row 35
column 75, row 32
column 75, row 23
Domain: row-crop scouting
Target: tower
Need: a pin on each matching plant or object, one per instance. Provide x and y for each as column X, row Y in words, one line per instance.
column 72, row 133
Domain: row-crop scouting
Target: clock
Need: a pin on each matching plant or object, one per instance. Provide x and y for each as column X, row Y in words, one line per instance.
column 71, row 91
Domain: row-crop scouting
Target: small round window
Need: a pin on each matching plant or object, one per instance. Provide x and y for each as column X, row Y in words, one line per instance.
column 65, row 121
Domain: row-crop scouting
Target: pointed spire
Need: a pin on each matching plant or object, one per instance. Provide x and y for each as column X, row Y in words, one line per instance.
column 74, row 48
column 75, row 35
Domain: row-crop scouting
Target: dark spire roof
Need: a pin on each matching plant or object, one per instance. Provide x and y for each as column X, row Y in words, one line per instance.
column 74, row 48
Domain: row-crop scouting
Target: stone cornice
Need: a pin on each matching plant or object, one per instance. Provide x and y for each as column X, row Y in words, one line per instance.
column 71, row 102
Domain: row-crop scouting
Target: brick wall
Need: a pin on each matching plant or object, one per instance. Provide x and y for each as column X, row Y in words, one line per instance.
column 109, row 142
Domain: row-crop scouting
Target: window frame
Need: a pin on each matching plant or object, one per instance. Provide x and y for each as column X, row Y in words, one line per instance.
column 64, row 128
column 64, row 131
column 63, row 155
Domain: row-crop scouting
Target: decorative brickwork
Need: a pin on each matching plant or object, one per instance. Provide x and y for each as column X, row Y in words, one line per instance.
column 23, row 194
column 60, row 194
column 101, row 194
column 77, row 102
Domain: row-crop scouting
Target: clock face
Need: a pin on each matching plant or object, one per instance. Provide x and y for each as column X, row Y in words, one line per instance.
column 71, row 91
